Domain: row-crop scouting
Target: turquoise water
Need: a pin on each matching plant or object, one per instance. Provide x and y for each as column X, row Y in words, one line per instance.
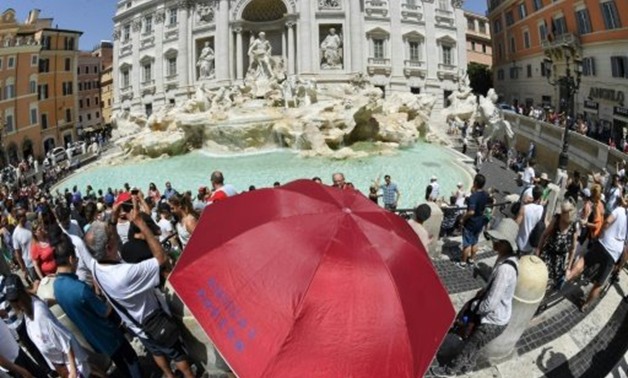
column 411, row 169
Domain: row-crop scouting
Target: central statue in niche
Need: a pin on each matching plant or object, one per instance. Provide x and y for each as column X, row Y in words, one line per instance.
column 265, row 72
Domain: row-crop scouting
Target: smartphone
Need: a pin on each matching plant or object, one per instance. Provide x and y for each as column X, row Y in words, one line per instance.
column 127, row 207
column 135, row 192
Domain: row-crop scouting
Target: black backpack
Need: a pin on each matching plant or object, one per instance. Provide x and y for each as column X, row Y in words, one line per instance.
column 535, row 235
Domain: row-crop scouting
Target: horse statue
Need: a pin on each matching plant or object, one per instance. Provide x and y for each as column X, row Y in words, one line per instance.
column 489, row 113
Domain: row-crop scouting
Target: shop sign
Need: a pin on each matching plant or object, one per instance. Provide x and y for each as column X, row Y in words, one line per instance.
column 591, row 105
column 607, row 94
column 623, row 112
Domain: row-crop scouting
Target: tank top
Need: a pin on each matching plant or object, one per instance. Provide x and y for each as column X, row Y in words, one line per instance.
column 184, row 235
column 532, row 214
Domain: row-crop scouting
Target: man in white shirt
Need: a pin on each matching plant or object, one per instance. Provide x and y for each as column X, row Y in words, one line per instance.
column 529, row 215
column 606, row 252
column 529, row 175
column 14, row 359
column 22, row 237
column 130, row 288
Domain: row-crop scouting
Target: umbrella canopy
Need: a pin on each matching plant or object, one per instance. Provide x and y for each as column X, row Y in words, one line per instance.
column 307, row 280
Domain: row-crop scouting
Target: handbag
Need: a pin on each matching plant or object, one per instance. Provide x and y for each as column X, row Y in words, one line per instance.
column 158, row 325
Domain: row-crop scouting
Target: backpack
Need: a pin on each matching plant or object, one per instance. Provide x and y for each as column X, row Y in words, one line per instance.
column 535, row 235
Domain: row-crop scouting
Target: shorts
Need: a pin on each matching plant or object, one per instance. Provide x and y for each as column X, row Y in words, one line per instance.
column 175, row 353
column 469, row 238
column 598, row 255
column 390, row 206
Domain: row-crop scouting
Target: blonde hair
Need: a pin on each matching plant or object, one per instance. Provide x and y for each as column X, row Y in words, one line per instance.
column 596, row 193
column 568, row 207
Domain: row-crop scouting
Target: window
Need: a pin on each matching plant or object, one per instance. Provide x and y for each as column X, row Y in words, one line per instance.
column 46, row 43
column 11, row 62
column 43, row 91
column 619, row 66
column 584, row 22
column 542, row 31
column 80, row 118
column 125, row 79
column 34, row 114
column 80, row 103
column 500, row 50
column 126, row 33
column 67, row 88
column 172, row 16
column 9, row 90
column 529, row 70
column 497, row 26
column 484, row 48
column 482, row 27
column 68, row 43
column 447, row 59
column 97, row 114
column 80, row 86
column 147, row 72
column 89, row 116
column 500, row 74
column 68, row 115
column 523, row 12
column 378, row 48
column 68, row 64
column 44, row 121
column 560, row 26
column 96, row 100
column 588, row 66
column 32, row 86
column 472, row 46
column 87, row 104
column 538, row 4
column 513, row 45
column 544, row 71
column 95, row 69
column 148, row 24
column 443, row 5
column 88, row 85
column 510, row 19
column 611, row 17
column 44, row 65
column 514, row 72
column 8, row 124
column 415, row 52
column 526, row 39
column 470, row 24
column 172, row 66
column 33, row 60
column 1, row 61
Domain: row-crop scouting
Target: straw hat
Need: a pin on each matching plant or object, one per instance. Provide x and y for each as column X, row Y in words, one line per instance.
column 544, row 177
column 506, row 230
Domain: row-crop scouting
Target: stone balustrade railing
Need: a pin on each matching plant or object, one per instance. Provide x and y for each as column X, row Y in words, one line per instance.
column 585, row 154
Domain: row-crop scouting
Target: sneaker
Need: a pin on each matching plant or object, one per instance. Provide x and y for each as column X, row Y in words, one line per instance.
column 471, row 262
column 461, row 265
column 442, row 371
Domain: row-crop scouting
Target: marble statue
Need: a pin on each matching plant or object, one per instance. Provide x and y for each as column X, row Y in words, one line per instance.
column 331, row 51
column 260, row 52
column 205, row 14
column 205, row 63
column 496, row 125
column 463, row 103
column 333, row 4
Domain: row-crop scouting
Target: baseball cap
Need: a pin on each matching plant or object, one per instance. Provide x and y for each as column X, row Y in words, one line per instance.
column 13, row 286
column 123, row 197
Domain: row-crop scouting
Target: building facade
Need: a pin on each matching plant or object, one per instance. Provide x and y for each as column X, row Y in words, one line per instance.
column 407, row 45
column 525, row 32
column 479, row 47
column 38, row 99
column 106, row 94
column 89, row 71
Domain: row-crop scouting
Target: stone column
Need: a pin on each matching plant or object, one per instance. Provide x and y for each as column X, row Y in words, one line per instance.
column 284, row 45
column 396, row 43
column 529, row 293
column 239, row 52
column 291, row 48
column 221, row 41
column 356, row 37
column 304, row 37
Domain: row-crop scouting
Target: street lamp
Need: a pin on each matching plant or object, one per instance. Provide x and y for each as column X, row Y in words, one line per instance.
column 565, row 73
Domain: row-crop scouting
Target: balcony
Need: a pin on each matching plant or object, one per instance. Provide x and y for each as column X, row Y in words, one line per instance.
column 376, row 8
column 414, row 68
column 147, row 42
column 379, row 66
column 445, row 18
column 126, row 50
column 171, row 34
column 410, row 12
column 555, row 46
column 126, row 93
column 447, row 71
column 148, row 87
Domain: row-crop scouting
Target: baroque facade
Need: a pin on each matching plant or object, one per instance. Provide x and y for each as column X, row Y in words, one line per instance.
column 479, row 47
column 596, row 33
column 163, row 49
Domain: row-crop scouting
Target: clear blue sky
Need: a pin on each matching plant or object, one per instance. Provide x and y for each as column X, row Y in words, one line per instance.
column 93, row 17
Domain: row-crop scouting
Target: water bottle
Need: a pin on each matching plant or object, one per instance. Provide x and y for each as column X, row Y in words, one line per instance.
column 465, row 320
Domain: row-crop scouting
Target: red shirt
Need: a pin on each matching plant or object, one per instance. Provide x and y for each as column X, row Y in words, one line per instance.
column 218, row 195
column 43, row 255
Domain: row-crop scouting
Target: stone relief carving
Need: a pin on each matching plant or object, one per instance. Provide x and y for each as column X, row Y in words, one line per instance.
column 136, row 25
column 329, row 4
column 206, row 13
column 457, row 3
column 116, row 34
column 160, row 17
column 331, row 51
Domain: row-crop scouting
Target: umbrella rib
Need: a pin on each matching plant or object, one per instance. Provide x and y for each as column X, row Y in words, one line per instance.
column 300, row 306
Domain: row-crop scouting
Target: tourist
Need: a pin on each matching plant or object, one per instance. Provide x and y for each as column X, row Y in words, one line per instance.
column 169, row 191
column 137, row 249
column 461, row 196
column 421, row 214
column 574, row 187
column 91, row 214
column 183, row 209
column 473, row 221
column 530, row 214
column 558, row 244
column 606, row 252
column 390, row 194
column 14, row 359
column 338, row 180
column 317, row 180
column 276, row 184
column 130, row 290
column 594, row 220
column 621, row 168
column 529, row 176
column 432, row 192
column 614, row 194
column 22, row 238
column 42, row 253
column 153, row 192
column 373, row 194
column 54, row 341
column 219, row 190
column 90, row 314
column 71, row 226
column 200, row 201
column 165, row 224
column 492, row 306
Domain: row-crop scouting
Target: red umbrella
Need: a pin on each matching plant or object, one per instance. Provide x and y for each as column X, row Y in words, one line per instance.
column 307, row 280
